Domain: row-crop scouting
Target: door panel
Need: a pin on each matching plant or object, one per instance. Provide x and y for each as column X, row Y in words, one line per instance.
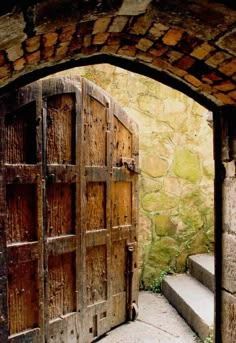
column 68, row 157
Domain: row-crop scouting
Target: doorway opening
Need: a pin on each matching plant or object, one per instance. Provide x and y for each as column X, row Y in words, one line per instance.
column 176, row 187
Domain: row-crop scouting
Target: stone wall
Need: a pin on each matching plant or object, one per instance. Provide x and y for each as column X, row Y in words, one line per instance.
column 176, row 182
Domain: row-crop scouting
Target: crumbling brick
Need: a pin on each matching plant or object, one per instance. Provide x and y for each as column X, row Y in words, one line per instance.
column 144, row 44
column 32, row 44
column 141, row 26
column 67, row 33
column 118, row 24
column 49, row 39
column 172, row 37
column 101, row 25
column 100, row 38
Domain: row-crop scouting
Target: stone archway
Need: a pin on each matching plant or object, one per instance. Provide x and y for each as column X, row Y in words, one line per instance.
column 191, row 49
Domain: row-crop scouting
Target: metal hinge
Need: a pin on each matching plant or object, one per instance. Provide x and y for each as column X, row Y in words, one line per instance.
column 129, row 163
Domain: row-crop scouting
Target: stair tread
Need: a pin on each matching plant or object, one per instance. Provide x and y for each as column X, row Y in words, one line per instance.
column 206, row 261
column 199, row 298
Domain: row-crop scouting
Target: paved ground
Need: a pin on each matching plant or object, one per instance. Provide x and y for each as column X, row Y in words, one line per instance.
column 157, row 322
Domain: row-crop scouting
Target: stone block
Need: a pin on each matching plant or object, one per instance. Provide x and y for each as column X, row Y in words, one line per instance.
column 130, row 7
column 217, row 58
column 155, row 166
column 228, row 41
column 100, row 38
column 144, row 44
column 101, row 25
column 158, row 50
column 173, row 56
column 157, row 30
column 155, row 202
column 128, row 51
column 76, row 43
column 50, row 39
column 211, row 77
column 113, row 39
column 11, row 30
column 15, row 52
column 224, row 99
column 228, row 317
column 229, row 68
column 67, row 33
column 228, row 263
column 172, row 37
column 229, row 206
column 89, row 50
column 185, row 62
column 5, row 70
column 233, row 94
column 145, row 57
column 164, row 226
column 193, row 80
column 33, row 58
column 141, row 25
column 2, row 58
column 61, row 50
column 225, row 86
column 19, row 64
column 118, row 24
column 32, row 44
column 202, row 51
column 112, row 49
column 87, row 41
column 86, row 27
column 47, row 52
column 186, row 165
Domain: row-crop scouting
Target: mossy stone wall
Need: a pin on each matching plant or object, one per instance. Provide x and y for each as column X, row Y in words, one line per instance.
column 176, row 160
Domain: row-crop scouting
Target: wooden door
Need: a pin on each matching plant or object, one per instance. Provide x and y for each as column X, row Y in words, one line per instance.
column 69, row 208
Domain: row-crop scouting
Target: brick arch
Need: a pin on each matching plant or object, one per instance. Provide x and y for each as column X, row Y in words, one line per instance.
column 191, row 48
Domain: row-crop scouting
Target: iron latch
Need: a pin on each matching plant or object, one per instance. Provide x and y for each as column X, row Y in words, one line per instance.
column 129, row 163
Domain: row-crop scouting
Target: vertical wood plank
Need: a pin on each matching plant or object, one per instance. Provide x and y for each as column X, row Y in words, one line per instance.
column 61, row 129
column 23, row 296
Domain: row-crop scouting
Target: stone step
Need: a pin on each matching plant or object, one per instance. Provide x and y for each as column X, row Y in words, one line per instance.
column 192, row 300
column 202, row 268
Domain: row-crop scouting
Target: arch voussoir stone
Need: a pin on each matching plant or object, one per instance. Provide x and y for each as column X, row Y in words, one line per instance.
column 193, row 44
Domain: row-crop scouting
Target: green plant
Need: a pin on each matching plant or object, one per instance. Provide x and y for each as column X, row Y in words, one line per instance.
column 155, row 286
column 209, row 339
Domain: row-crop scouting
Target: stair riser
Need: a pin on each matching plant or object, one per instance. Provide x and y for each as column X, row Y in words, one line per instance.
column 202, row 275
column 201, row 328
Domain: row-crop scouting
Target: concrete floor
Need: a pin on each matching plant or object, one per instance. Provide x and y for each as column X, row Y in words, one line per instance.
column 157, row 322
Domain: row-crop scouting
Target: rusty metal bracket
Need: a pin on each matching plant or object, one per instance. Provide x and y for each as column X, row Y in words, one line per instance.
column 129, row 163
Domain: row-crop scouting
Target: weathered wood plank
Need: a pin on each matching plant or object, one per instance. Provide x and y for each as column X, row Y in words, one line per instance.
column 21, row 213
column 62, row 173
column 96, row 274
column 20, row 127
column 95, row 205
column 61, row 283
column 97, row 237
column 122, row 142
column 65, row 329
column 61, row 245
column 27, row 336
column 61, row 129
column 121, row 203
column 20, row 173
column 61, row 203
column 23, row 296
column 22, row 252
column 97, row 173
